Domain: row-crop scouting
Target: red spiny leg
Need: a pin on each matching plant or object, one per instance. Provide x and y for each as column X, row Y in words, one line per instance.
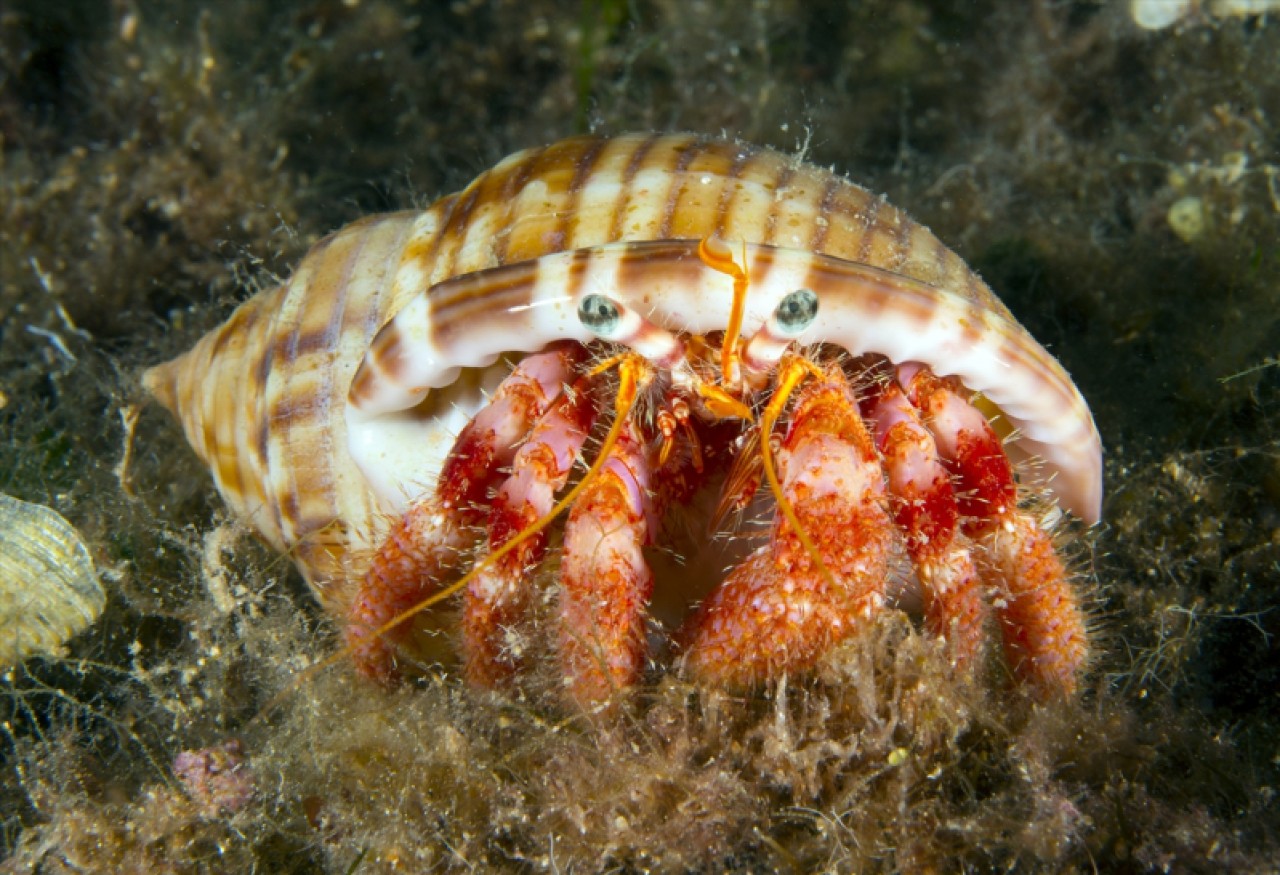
column 925, row 510
column 1042, row 623
column 498, row 599
column 778, row 611
column 605, row 581
column 426, row 542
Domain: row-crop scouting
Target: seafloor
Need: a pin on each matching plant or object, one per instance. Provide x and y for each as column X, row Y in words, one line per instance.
column 1118, row 186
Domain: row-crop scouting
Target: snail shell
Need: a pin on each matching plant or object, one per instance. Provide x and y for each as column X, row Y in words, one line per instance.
column 264, row 398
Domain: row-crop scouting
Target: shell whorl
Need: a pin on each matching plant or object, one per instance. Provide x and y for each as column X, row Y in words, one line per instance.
column 262, row 397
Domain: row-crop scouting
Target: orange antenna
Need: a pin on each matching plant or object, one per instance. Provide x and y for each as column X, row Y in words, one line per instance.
column 634, row 373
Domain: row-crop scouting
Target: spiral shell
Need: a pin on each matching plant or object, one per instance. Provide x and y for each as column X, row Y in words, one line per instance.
column 264, row 398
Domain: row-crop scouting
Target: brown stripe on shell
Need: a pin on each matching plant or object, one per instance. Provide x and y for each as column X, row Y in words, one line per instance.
column 534, row 218
column 515, row 180
column 227, row 460
column 873, row 297
column 578, row 272
column 362, row 389
column 304, row 387
column 291, row 408
column 479, row 296
column 625, row 194
column 822, row 220
column 288, row 509
column 385, row 362
column 822, row 274
column 386, row 352
column 729, row 190
column 583, row 169
column 783, row 178
column 366, row 312
column 651, row 189
column 797, row 207
column 900, row 236
column 870, row 218
column 653, row 262
column 262, row 439
column 405, row 276
column 881, row 244
column 696, row 213
column 748, row 195
column 422, row 251
column 233, row 331
column 263, row 354
column 319, row 392
column 483, row 213
column 633, row 267
column 972, row 328
column 684, row 156
column 761, row 265
column 941, row 257
column 453, row 233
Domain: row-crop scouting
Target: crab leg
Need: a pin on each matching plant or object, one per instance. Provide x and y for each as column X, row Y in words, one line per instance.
column 1043, row 625
column 497, row 600
column 778, row 610
column 925, row 510
column 605, row 580
column 426, row 542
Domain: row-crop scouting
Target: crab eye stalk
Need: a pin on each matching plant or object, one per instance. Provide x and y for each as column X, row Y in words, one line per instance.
column 615, row 322
column 792, row 317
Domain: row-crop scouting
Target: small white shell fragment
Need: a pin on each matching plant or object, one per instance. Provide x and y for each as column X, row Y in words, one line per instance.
column 49, row 590
column 1186, row 218
column 1159, row 14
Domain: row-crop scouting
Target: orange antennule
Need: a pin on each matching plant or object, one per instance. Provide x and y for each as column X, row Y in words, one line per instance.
column 715, row 254
column 791, row 374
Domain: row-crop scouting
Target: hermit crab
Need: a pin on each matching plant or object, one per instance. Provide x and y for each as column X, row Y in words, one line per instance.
column 609, row 350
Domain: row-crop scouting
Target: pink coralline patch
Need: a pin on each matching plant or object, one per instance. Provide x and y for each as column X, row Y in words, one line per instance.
column 217, row 778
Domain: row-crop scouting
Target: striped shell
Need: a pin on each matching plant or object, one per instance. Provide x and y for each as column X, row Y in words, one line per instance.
column 499, row 267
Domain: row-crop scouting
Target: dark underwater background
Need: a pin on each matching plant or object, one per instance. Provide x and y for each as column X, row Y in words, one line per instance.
column 1116, row 182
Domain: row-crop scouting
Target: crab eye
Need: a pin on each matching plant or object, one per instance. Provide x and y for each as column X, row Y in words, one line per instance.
column 599, row 315
column 796, row 311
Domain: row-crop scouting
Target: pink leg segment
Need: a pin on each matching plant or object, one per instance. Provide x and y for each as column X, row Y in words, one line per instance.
column 497, row 600
column 606, row 582
column 1043, row 625
column 426, row 542
column 925, row 510
column 776, row 611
